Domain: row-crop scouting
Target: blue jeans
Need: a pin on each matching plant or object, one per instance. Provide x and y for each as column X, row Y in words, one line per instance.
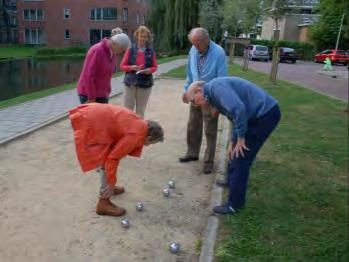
column 239, row 168
column 102, row 100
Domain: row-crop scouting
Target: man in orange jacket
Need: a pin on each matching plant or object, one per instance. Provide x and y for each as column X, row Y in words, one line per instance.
column 103, row 135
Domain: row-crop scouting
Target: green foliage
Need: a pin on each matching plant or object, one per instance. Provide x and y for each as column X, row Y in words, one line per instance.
column 305, row 51
column 16, row 51
column 171, row 21
column 61, row 51
column 324, row 33
column 210, row 18
column 240, row 16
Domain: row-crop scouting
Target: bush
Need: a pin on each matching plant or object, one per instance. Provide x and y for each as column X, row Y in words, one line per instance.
column 305, row 51
column 61, row 51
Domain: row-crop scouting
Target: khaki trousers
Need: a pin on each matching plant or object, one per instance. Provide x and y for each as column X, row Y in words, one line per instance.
column 198, row 116
column 136, row 96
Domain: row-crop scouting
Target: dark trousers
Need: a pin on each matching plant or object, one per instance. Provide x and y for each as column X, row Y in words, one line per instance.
column 102, row 100
column 239, row 168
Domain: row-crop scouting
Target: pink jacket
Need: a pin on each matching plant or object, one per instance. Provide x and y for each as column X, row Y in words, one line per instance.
column 97, row 71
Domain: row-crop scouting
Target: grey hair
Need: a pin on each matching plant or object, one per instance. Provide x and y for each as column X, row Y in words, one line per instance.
column 120, row 38
column 203, row 33
column 155, row 131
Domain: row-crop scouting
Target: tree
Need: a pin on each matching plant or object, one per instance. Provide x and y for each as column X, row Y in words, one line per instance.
column 324, row 33
column 210, row 18
column 240, row 16
column 171, row 20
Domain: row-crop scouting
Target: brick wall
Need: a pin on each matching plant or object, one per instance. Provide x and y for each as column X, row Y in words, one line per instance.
column 80, row 23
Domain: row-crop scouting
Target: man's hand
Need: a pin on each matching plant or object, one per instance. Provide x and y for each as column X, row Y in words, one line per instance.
column 185, row 98
column 237, row 150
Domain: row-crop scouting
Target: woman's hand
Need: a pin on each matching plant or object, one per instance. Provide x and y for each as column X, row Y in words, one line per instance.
column 135, row 68
column 144, row 71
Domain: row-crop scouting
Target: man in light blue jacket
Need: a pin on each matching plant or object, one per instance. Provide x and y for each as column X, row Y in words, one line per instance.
column 254, row 113
column 206, row 61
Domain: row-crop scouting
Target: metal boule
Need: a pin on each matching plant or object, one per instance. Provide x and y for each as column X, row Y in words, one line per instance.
column 166, row 192
column 174, row 248
column 125, row 222
column 171, row 184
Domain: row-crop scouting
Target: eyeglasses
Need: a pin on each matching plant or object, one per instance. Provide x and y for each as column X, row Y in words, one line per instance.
column 192, row 101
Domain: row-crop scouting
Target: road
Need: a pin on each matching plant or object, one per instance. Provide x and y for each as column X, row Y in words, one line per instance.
column 309, row 75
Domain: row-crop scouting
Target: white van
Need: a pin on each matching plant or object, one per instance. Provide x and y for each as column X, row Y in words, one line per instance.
column 259, row 52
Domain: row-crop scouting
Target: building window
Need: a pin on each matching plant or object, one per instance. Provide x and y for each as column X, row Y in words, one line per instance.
column 108, row 14
column 137, row 18
column 143, row 19
column 33, row 36
column 125, row 15
column 33, row 14
column 97, row 35
column 66, row 34
column 66, row 13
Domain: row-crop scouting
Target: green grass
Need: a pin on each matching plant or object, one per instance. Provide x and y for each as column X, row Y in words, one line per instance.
column 17, row 51
column 297, row 199
column 58, row 89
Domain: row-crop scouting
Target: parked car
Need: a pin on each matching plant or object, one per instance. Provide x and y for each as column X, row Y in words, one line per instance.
column 259, row 52
column 287, row 54
column 336, row 56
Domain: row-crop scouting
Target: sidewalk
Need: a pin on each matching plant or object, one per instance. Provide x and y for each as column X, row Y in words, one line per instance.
column 22, row 119
column 47, row 204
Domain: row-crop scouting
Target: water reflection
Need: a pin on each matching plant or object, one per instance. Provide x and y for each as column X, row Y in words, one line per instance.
column 19, row 77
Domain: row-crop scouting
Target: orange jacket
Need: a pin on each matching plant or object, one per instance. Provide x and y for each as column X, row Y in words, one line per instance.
column 104, row 134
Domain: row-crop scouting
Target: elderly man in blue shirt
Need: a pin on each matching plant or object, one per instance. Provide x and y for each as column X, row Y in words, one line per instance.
column 206, row 61
column 254, row 114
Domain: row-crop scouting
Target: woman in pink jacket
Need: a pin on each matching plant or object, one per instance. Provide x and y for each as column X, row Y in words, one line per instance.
column 139, row 63
column 100, row 63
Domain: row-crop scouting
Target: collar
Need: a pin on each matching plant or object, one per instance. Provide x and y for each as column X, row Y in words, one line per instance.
column 206, row 51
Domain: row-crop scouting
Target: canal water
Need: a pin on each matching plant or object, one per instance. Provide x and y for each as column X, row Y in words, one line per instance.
column 24, row 76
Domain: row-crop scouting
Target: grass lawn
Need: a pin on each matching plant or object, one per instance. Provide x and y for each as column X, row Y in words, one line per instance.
column 54, row 90
column 17, row 51
column 297, row 199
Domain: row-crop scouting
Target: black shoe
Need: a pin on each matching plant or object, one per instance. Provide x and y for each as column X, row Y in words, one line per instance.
column 222, row 183
column 207, row 169
column 224, row 210
column 185, row 159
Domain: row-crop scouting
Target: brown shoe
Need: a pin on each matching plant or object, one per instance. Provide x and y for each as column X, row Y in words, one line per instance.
column 118, row 190
column 107, row 208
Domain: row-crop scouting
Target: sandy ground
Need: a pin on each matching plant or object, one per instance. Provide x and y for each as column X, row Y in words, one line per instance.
column 47, row 204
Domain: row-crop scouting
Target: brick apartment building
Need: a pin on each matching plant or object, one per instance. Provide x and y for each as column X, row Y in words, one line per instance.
column 61, row 23
column 8, row 21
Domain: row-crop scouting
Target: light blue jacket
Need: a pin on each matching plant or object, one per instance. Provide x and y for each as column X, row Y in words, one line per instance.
column 239, row 100
column 215, row 65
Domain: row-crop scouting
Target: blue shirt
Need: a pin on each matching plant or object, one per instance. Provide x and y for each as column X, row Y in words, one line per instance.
column 239, row 100
column 214, row 64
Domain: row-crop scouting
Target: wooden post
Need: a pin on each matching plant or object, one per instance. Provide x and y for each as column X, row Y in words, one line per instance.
column 232, row 48
column 246, row 60
column 276, row 58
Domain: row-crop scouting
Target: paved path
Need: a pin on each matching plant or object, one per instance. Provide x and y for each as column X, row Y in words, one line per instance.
column 22, row 119
column 309, row 75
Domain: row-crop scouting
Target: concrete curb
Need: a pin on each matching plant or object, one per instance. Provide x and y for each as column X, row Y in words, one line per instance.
column 210, row 234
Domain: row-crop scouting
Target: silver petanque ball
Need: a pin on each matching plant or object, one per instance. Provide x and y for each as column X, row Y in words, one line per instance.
column 139, row 206
column 166, row 192
column 174, row 248
column 125, row 222
column 171, row 184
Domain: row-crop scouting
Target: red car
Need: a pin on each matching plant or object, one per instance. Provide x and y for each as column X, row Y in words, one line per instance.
column 336, row 56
